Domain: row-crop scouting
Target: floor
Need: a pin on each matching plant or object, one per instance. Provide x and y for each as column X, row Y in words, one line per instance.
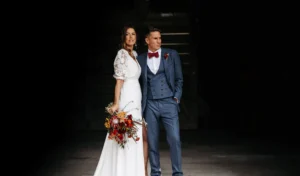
column 203, row 154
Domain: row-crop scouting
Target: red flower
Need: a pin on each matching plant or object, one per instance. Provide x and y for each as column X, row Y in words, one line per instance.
column 129, row 116
column 129, row 123
column 115, row 132
column 120, row 136
column 122, row 124
column 166, row 55
column 122, row 128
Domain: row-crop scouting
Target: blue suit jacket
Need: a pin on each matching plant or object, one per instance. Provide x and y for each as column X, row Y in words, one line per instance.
column 173, row 71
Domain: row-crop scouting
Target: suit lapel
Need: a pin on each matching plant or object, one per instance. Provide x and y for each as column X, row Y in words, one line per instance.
column 165, row 63
column 145, row 67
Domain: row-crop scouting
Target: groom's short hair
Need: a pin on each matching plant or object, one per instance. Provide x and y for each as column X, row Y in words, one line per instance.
column 152, row 29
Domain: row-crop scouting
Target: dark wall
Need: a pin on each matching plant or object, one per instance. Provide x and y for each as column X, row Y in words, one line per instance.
column 60, row 42
column 245, row 67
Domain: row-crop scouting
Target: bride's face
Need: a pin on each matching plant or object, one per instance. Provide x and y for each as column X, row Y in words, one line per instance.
column 130, row 37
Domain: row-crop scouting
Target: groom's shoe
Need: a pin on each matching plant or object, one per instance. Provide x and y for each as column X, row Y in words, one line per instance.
column 157, row 173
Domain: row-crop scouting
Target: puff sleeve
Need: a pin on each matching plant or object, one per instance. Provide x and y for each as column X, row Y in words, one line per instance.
column 120, row 66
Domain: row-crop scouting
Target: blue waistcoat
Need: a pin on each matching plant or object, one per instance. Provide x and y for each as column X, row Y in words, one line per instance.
column 157, row 86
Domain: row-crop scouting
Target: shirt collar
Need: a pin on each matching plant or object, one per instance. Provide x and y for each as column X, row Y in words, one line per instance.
column 159, row 50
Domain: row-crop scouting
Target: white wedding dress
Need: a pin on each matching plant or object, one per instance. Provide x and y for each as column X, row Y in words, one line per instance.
column 128, row 161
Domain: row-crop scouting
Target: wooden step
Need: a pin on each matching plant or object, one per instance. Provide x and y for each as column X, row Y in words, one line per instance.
column 179, row 47
column 164, row 23
column 176, row 37
column 167, row 15
column 174, row 29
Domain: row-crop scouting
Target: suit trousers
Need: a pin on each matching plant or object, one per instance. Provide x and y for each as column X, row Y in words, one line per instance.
column 166, row 111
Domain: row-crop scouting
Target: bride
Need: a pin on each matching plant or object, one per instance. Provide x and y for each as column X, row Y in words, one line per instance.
column 133, row 159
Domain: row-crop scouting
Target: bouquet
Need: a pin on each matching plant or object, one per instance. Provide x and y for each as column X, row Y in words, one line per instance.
column 121, row 126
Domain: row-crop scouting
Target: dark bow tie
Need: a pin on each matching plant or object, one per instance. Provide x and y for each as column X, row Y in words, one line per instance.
column 150, row 55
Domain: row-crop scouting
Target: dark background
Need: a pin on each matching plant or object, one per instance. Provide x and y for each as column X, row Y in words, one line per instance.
column 245, row 68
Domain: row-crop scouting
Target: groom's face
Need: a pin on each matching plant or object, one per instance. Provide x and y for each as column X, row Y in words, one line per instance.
column 154, row 41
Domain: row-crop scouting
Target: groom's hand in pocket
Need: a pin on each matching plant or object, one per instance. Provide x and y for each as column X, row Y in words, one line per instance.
column 176, row 100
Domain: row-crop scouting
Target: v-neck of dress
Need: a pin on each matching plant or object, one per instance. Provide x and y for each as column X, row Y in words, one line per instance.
column 132, row 57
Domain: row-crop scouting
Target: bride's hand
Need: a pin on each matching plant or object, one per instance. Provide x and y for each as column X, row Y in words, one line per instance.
column 113, row 108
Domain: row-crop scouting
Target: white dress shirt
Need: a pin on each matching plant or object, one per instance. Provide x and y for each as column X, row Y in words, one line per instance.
column 154, row 62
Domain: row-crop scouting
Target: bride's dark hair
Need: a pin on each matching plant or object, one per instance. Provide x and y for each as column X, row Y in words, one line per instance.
column 123, row 39
column 123, row 36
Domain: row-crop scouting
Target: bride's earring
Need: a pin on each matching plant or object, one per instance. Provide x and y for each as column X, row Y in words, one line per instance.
column 135, row 45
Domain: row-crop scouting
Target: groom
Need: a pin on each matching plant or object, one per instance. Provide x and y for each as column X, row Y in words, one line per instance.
column 161, row 83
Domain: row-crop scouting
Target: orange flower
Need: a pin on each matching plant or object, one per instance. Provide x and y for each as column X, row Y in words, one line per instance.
column 121, row 114
column 107, row 125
